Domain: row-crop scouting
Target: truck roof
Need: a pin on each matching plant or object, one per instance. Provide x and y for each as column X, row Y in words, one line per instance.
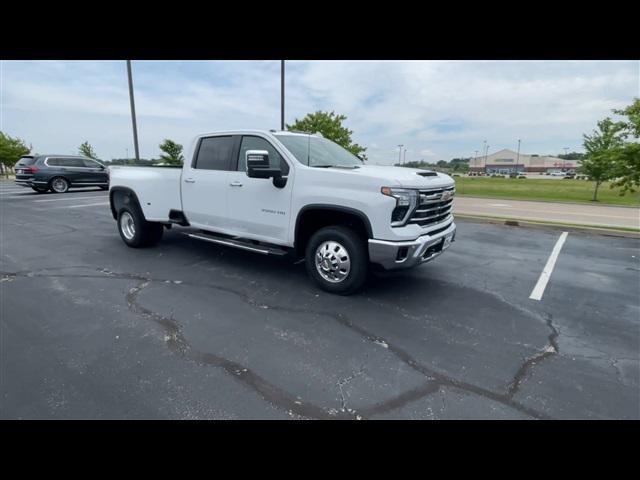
column 264, row 132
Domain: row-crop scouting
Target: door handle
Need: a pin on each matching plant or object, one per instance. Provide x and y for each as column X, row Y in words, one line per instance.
column 235, row 184
column 189, row 180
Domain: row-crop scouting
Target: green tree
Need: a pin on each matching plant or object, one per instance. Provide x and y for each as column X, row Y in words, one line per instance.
column 172, row 152
column 329, row 124
column 11, row 149
column 571, row 156
column 626, row 158
column 87, row 150
column 600, row 148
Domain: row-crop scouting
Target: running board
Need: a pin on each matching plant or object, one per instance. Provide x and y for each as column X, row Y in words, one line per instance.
column 242, row 244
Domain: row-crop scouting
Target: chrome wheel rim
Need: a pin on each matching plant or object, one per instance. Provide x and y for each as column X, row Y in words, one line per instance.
column 59, row 185
column 127, row 225
column 332, row 261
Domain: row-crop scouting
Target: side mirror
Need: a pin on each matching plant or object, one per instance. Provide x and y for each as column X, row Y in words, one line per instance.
column 258, row 167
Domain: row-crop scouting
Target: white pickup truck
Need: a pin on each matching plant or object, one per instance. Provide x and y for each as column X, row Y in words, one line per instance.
column 281, row 192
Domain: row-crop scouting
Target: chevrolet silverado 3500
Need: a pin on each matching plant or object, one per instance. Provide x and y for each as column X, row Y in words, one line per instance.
column 281, row 192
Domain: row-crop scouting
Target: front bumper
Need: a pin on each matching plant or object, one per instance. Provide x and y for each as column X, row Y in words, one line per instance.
column 396, row 255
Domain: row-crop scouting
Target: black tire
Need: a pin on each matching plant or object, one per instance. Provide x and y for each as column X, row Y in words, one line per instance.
column 144, row 234
column 59, row 185
column 356, row 249
column 40, row 189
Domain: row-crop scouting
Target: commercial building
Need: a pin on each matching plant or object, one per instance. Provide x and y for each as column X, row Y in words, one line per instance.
column 507, row 161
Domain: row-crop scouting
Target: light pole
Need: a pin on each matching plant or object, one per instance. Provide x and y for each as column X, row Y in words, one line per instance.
column 566, row 152
column 404, row 156
column 400, row 154
column 281, row 94
column 518, row 156
column 486, row 152
column 133, row 111
column 484, row 148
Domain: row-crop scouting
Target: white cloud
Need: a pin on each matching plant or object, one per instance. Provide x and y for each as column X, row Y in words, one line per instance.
column 438, row 110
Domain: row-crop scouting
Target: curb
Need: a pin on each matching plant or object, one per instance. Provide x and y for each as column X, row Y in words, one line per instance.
column 523, row 222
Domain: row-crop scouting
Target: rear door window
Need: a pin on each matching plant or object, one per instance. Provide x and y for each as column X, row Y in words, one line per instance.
column 73, row 162
column 214, row 153
column 53, row 162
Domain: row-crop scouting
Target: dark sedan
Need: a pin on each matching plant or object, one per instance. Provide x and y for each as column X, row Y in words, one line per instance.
column 59, row 173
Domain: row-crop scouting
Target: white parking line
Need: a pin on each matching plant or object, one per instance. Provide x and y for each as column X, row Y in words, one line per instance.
column 538, row 290
column 85, row 205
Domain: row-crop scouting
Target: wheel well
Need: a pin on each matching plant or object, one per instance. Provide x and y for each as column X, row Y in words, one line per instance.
column 312, row 219
column 118, row 197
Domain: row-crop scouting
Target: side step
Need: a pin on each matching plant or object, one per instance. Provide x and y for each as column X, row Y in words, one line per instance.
column 241, row 243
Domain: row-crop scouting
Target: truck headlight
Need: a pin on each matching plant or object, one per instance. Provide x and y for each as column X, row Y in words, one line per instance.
column 406, row 201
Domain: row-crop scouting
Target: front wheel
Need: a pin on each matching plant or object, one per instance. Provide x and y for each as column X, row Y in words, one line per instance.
column 337, row 260
column 135, row 231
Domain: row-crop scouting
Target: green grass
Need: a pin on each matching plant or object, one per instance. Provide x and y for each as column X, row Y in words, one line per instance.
column 557, row 190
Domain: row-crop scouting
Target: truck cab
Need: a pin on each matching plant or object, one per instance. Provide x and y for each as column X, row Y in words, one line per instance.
column 282, row 192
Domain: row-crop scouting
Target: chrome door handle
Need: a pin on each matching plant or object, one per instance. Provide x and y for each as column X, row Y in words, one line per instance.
column 235, row 184
column 189, row 180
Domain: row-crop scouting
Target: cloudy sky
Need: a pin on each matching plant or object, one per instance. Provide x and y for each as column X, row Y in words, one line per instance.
column 438, row 109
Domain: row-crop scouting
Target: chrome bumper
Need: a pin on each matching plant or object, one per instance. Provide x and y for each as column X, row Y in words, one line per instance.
column 395, row 255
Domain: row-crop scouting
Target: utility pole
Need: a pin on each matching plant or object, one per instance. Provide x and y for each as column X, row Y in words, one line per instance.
column 400, row 154
column 281, row 94
column 133, row 111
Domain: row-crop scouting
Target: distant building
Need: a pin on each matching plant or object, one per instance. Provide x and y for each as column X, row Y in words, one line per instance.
column 507, row 161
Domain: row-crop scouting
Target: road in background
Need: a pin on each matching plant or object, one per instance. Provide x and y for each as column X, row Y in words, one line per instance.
column 600, row 215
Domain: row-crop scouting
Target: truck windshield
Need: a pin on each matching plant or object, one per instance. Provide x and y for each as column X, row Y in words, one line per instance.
column 318, row 152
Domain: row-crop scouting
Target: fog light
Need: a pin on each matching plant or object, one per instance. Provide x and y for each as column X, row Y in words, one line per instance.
column 402, row 254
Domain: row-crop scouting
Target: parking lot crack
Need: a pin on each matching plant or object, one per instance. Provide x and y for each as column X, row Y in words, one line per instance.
column 341, row 384
column 550, row 349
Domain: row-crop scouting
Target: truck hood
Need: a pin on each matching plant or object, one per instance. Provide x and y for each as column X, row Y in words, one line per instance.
column 400, row 176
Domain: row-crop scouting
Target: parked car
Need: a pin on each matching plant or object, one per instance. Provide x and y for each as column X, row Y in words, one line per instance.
column 557, row 174
column 279, row 193
column 59, row 173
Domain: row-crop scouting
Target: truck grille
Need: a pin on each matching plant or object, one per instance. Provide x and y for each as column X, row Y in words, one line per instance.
column 434, row 207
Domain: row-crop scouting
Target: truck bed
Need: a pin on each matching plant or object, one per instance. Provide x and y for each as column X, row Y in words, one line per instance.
column 157, row 188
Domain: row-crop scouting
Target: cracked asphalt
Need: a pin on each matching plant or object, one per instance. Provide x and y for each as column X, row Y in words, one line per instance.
column 190, row 330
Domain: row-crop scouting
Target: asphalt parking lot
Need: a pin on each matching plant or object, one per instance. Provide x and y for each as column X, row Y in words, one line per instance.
column 191, row 330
